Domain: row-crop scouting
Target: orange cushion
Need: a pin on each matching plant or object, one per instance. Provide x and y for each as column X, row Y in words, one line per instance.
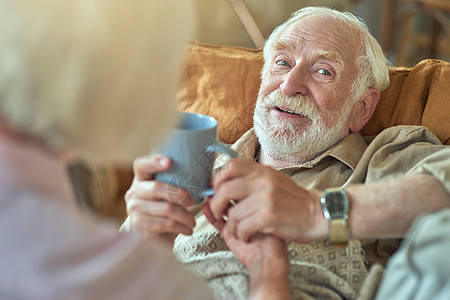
column 223, row 82
column 416, row 96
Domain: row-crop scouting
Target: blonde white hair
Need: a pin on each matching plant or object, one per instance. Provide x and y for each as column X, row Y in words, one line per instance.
column 371, row 63
column 100, row 75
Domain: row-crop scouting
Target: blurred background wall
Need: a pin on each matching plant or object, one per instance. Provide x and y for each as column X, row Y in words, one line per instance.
column 406, row 28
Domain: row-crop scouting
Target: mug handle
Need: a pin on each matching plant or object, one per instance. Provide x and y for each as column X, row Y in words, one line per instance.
column 216, row 146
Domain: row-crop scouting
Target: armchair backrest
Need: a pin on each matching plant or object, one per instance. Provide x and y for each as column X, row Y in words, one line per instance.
column 223, row 82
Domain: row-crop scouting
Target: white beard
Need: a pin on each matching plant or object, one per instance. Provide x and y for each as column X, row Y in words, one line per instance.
column 287, row 140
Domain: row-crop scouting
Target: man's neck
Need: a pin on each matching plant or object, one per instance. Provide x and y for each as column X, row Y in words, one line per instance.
column 282, row 162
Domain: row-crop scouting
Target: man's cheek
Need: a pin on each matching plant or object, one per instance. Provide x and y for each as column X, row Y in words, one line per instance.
column 268, row 85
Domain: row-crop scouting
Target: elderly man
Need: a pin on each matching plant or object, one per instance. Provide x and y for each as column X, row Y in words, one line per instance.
column 305, row 175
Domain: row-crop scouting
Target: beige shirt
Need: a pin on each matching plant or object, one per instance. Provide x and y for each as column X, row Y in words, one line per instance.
column 394, row 152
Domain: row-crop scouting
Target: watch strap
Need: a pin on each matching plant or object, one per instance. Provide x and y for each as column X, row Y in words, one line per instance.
column 339, row 233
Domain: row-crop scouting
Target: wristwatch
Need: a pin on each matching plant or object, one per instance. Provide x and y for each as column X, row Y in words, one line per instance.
column 334, row 203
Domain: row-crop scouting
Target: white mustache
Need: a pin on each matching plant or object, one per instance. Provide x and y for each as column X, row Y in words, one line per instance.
column 300, row 104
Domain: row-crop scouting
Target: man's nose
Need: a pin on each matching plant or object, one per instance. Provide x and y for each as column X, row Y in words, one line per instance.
column 294, row 82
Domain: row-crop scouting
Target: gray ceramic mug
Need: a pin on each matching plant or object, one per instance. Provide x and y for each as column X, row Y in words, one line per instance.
column 192, row 146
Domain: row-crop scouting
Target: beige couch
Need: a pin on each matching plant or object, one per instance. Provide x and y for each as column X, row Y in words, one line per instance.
column 223, row 81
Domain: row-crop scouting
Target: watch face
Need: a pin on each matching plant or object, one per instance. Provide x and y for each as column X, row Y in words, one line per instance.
column 335, row 202
column 335, row 205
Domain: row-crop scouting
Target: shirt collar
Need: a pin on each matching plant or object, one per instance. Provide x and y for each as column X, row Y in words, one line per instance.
column 349, row 151
column 246, row 147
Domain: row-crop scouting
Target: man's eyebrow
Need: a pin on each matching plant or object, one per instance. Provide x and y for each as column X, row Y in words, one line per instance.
column 286, row 45
column 283, row 45
column 330, row 56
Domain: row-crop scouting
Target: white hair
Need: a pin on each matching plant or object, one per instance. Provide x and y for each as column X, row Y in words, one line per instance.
column 371, row 63
column 95, row 74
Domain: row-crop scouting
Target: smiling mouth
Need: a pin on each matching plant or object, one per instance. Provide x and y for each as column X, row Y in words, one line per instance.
column 283, row 110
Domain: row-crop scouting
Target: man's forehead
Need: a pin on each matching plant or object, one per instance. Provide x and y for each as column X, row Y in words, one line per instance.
column 333, row 39
column 284, row 44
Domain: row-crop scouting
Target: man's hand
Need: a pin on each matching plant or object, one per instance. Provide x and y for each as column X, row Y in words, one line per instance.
column 267, row 202
column 157, row 209
column 265, row 257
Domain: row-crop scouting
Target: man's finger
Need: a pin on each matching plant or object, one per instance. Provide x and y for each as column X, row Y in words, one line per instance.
column 246, row 228
column 234, row 168
column 232, row 190
column 217, row 223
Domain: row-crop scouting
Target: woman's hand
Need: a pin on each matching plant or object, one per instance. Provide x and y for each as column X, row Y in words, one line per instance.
column 157, row 209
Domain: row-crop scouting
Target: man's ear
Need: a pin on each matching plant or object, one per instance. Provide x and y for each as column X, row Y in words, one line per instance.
column 363, row 109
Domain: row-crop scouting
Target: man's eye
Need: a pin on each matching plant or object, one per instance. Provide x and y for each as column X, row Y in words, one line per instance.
column 283, row 63
column 324, row 72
